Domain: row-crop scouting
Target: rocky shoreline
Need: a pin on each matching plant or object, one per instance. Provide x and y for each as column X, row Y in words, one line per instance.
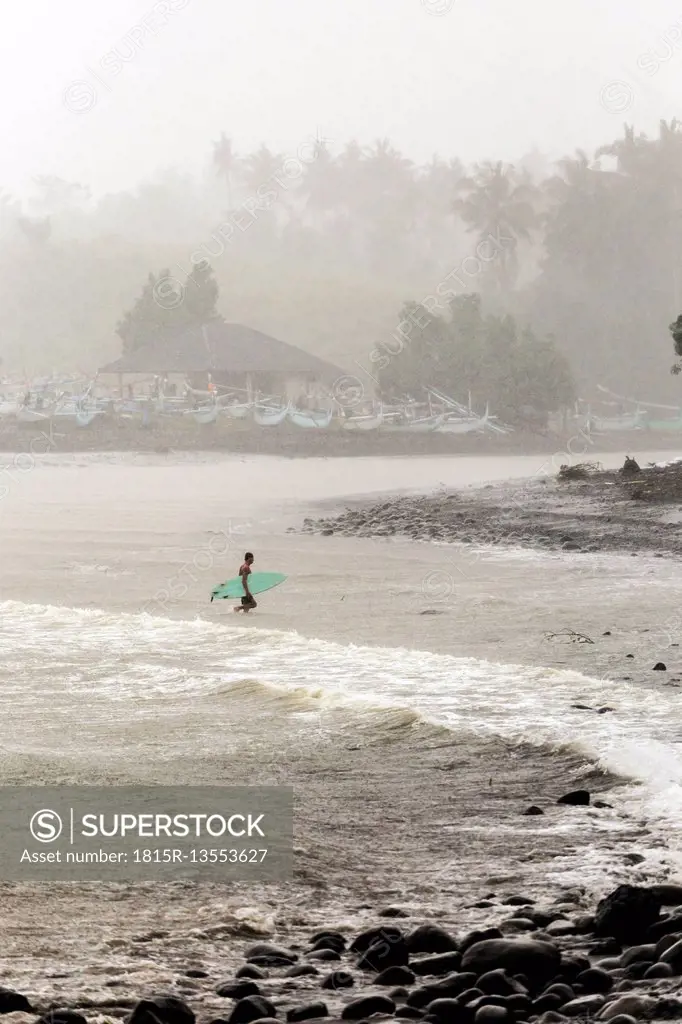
column 602, row 511
column 526, row 962
column 108, row 434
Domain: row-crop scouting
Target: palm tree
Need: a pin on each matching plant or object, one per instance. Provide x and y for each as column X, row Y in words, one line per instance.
column 498, row 203
column 225, row 161
column 321, row 183
column 261, row 167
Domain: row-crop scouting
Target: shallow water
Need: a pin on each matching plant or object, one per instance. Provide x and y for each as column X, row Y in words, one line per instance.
column 114, row 659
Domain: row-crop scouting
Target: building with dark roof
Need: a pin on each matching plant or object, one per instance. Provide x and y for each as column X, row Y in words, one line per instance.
column 230, row 355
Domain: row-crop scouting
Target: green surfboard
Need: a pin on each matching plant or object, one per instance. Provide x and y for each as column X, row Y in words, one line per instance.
column 258, row 582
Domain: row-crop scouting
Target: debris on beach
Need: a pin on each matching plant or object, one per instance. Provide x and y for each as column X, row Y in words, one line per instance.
column 569, row 636
column 580, row 471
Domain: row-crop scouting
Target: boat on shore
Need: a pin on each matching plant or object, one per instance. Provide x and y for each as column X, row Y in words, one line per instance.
column 464, row 424
column 270, row 416
column 313, row 419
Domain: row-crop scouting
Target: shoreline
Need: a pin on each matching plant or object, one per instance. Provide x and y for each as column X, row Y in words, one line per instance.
column 391, row 811
column 107, row 435
column 602, row 513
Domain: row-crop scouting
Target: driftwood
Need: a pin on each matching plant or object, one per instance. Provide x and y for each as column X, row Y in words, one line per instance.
column 569, row 636
column 581, row 471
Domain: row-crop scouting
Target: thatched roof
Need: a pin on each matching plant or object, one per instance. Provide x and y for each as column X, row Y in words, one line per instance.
column 219, row 347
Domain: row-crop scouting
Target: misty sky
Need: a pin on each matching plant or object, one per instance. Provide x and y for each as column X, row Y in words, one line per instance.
column 91, row 93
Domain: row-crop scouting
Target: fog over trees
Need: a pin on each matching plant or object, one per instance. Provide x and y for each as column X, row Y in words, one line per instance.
column 323, row 248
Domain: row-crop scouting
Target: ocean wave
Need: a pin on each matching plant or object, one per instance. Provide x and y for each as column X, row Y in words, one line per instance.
column 66, row 658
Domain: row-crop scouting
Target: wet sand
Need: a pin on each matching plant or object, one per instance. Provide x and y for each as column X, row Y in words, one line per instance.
column 389, row 809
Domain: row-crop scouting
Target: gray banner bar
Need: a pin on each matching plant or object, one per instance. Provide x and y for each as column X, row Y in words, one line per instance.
column 145, row 833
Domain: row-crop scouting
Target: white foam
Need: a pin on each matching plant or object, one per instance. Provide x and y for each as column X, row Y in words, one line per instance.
column 67, row 658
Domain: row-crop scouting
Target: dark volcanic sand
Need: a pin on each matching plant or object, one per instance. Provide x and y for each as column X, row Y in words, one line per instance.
column 606, row 512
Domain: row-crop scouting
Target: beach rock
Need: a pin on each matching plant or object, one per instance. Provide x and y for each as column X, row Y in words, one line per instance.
column 470, row 995
column 538, row 961
column 499, row 983
column 635, row 971
column 334, row 942
column 626, row 914
column 551, row 1017
column 583, row 1006
column 393, row 912
column 384, row 954
column 611, row 963
column 237, row 989
column 549, row 1001
column 669, row 894
column 473, row 1005
column 250, row 971
column 665, row 926
column 309, row 1011
column 660, row 970
column 450, row 987
column 561, row 990
column 159, row 1009
column 665, row 942
column 408, row 1013
column 518, row 924
column 338, row 979
column 632, row 1005
column 13, row 1002
column 595, row 981
column 447, row 1011
column 386, row 933
column 367, row 1006
column 635, row 953
column 323, row 954
column 491, row 1015
column 519, row 1006
column 268, row 949
column 561, row 927
column 673, row 956
column 572, row 964
column 442, row 963
column 576, row 798
column 301, row 971
column 196, row 972
column 479, row 936
column 533, row 809
column 268, row 960
column 659, row 667
column 252, row 1008
column 395, row 976
column 430, row 938
column 518, row 901
column 62, row 1017
column 623, row 1018
column 540, row 917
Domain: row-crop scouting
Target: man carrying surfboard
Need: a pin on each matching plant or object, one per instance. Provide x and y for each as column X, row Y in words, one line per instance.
column 248, row 600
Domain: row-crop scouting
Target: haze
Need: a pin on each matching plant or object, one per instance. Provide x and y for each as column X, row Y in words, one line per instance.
column 487, row 79
column 134, row 131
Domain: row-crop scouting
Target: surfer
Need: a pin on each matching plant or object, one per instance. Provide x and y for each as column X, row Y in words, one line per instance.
column 248, row 600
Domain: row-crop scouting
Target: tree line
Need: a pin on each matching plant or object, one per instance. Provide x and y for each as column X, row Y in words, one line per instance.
column 323, row 251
